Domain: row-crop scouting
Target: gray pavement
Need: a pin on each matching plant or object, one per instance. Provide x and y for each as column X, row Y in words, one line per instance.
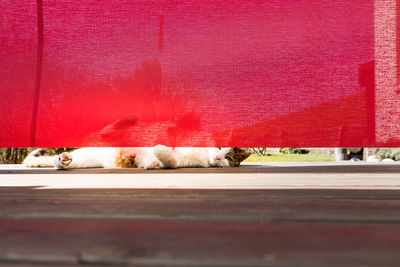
column 282, row 175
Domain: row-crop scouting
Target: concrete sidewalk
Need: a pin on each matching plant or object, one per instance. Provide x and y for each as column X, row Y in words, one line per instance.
column 287, row 175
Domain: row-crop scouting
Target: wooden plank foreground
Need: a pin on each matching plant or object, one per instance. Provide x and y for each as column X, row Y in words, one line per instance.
column 203, row 227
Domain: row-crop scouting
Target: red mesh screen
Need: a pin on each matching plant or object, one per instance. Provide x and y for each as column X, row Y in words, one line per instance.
column 199, row 73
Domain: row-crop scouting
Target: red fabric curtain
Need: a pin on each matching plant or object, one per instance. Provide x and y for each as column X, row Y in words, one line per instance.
column 260, row 73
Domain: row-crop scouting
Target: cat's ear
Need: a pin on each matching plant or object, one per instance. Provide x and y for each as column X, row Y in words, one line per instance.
column 242, row 153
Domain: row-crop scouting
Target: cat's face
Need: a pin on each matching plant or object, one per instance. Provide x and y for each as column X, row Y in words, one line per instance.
column 230, row 157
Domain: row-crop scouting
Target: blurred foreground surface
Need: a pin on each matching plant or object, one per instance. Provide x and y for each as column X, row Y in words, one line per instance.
column 278, row 214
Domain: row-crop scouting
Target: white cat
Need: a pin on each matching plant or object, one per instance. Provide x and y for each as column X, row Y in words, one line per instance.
column 139, row 157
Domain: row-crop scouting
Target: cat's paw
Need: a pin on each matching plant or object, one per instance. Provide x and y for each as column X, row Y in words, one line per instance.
column 151, row 165
column 166, row 156
column 219, row 161
column 63, row 160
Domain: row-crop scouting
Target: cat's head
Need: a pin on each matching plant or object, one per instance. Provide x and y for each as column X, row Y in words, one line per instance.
column 230, row 157
column 236, row 155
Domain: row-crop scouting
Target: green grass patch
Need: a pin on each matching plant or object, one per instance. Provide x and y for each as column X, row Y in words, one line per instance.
column 291, row 157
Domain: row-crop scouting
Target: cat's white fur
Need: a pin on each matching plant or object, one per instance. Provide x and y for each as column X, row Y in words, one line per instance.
column 103, row 157
column 43, row 161
column 191, row 156
column 88, row 157
column 145, row 157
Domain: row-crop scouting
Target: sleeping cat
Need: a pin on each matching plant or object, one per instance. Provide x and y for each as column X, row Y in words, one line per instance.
column 139, row 157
